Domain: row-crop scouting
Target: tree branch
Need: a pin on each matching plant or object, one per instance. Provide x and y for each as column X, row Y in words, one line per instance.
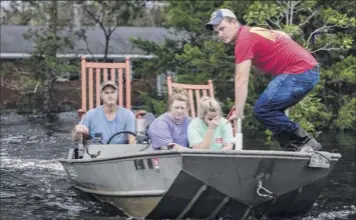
column 325, row 48
column 287, row 15
column 269, row 26
column 296, row 3
column 291, row 13
column 317, row 30
column 299, row 8
column 280, row 18
column 112, row 30
column 307, row 20
column 286, row 3
column 275, row 23
column 293, row 10
column 95, row 19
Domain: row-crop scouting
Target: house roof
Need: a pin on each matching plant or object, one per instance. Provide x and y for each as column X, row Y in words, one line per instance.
column 14, row 45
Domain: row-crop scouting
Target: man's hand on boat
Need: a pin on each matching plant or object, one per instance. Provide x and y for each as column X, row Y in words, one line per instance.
column 79, row 129
column 235, row 116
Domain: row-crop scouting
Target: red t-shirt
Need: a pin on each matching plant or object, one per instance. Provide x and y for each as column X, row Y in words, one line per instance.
column 271, row 52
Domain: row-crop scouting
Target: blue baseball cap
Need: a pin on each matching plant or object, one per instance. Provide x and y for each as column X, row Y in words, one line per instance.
column 219, row 15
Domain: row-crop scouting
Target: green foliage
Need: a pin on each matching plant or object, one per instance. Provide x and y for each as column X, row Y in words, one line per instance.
column 310, row 113
column 87, row 13
column 163, row 62
column 110, row 14
column 331, row 16
column 49, row 41
column 347, row 115
column 190, row 51
column 325, row 28
column 154, row 105
column 189, row 16
column 339, row 87
column 261, row 11
column 343, row 71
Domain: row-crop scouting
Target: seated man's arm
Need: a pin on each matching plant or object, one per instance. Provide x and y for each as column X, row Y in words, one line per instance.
column 131, row 126
column 81, row 128
column 132, row 139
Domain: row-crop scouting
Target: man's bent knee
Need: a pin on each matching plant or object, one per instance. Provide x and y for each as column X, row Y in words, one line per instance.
column 258, row 112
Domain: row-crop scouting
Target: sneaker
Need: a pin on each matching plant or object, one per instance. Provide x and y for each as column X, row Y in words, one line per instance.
column 311, row 145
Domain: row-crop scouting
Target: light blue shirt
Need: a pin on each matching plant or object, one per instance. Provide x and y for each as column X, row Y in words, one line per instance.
column 96, row 121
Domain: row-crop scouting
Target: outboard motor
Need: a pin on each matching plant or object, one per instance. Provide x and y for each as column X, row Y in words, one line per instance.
column 81, row 150
column 82, row 147
column 78, row 151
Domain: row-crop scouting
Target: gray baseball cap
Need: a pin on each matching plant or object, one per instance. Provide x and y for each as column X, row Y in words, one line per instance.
column 108, row 83
column 219, row 15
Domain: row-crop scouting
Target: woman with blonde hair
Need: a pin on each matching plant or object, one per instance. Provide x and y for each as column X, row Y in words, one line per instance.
column 169, row 131
column 210, row 130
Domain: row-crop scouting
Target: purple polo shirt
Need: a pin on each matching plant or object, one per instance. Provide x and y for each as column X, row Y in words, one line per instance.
column 164, row 130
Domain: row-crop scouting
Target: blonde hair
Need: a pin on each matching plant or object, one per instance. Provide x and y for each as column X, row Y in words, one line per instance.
column 208, row 104
column 177, row 95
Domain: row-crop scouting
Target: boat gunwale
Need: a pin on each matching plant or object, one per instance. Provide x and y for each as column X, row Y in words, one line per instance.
column 194, row 152
column 114, row 193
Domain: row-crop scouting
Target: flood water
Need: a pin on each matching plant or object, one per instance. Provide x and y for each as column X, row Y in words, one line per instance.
column 34, row 184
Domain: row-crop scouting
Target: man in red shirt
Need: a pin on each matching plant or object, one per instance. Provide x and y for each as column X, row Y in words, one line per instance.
column 294, row 69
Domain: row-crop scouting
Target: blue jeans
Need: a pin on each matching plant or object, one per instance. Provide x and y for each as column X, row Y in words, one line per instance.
column 282, row 92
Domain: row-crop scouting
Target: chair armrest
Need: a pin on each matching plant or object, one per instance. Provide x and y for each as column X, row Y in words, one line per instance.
column 81, row 113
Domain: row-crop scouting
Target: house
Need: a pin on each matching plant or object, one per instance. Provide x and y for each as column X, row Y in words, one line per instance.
column 15, row 47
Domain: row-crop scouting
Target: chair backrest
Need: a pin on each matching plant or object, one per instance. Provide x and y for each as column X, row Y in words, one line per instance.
column 194, row 93
column 94, row 73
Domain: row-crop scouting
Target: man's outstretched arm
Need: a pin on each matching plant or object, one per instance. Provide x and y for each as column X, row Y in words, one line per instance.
column 242, row 74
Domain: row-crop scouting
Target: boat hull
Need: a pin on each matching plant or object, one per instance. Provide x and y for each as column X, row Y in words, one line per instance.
column 204, row 184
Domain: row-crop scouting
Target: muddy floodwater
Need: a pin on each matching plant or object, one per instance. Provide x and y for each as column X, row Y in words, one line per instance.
column 34, row 185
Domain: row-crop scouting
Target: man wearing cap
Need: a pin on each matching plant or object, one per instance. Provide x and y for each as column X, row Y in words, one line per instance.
column 294, row 69
column 107, row 119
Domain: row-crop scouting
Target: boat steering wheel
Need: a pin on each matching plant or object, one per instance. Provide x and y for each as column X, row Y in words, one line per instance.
column 121, row 132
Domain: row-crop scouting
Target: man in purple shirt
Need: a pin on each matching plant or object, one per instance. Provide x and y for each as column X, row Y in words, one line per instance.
column 170, row 129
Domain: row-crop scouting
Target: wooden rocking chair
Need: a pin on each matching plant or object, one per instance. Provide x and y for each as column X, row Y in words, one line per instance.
column 94, row 73
column 193, row 104
column 193, row 89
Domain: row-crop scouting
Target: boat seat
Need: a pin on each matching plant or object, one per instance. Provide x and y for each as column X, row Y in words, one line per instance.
column 94, row 73
column 195, row 91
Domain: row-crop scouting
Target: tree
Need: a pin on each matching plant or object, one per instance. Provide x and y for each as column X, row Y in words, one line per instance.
column 109, row 15
column 297, row 18
column 195, row 56
column 27, row 13
column 55, row 37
